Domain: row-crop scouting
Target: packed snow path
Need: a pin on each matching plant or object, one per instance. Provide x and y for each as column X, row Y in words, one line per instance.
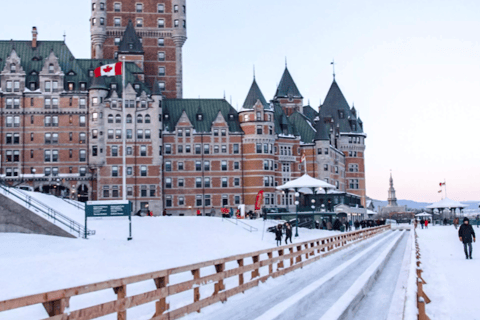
column 322, row 289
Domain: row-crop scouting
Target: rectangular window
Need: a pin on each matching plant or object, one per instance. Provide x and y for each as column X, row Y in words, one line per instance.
column 139, row 134
column 198, row 182
column 198, row 165
column 161, row 42
column 160, row 8
column 198, row 149
column 114, row 151
column 206, row 149
column 224, row 148
column 83, row 155
column 179, row 148
column 168, row 183
column 139, row 7
column 168, row 149
column 236, row 182
column 152, row 191
column 325, row 167
column 161, row 71
column 143, row 151
column 168, row 201
column 188, row 149
column 143, row 192
column 224, row 132
column 237, row 199
column 259, row 148
column 143, row 171
column 207, row 182
column 215, row 132
column 236, row 165
column 114, row 171
column 206, row 165
column 115, row 192
column 224, row 165
column 161, row 23
column 110, row 134
column 236, row 148
column 198, row 201
column 208, row 200
column 47, row 171
column 259, row 129
column 94, row 151
column 181, row 182
column 82, row 121
column 224, row 182
column 175, row 8
column 224, row 200
column 180, row 166
column 117, row 7
column 47, row 155
column 168, row 166
column 148, row 134
column 216, row 149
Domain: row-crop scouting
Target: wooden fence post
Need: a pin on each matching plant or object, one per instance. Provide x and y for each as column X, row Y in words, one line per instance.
column 121, row 293
column 56, row 307
column 280, row 263
column 270, row 266
column 161, row 306
column 240, row 276
column 256, row 272
column 299, row 257
column 219, row 286
column 291, row 259
column 422, row 315
column 196, row 290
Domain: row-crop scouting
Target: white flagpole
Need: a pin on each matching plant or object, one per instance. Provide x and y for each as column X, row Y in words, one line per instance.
column 124, row 133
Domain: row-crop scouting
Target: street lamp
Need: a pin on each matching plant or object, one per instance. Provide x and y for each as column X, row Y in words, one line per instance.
column 296, row 214
column 313, row 205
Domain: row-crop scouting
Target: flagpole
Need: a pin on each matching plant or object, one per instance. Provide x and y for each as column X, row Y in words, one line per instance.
column 445, row 185
column 124, row 143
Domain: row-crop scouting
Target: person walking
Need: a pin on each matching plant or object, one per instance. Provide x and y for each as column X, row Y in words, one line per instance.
column 415, row 223
column 278, row 235
column 426, row 223
column 356, row 224
column 288, row 232
column 212, row 212
column 444, row 221
column 422, row 223
column 455, row 223
column 466, row 233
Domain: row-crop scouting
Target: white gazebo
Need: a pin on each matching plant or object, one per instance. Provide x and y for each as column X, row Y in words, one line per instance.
column 447, row 204
column 308, row 182
column 423, row 214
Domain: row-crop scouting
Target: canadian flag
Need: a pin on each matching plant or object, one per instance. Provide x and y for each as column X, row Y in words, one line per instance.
column 442, row 184
column 109, row 70
column 303, row 159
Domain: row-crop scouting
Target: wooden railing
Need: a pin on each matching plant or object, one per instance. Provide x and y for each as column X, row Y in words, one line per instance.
column 279, row 260
column 422, row 298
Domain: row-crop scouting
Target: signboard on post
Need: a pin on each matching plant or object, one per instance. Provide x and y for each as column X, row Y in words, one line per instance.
column 114, row 208
column 117, row 208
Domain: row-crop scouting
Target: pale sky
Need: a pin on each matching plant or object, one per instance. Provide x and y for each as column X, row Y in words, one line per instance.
column 410, row 67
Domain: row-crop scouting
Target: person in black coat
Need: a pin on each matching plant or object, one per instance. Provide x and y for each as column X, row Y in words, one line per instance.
column 288, row 232
column 337, row 224
column 357, row 224
column 278, row 234
column 466, row 233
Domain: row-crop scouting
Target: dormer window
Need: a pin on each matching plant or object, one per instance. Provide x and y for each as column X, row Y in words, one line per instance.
column 90, row 73
column 113, row 86
column 130, row 46
column 354, row 127
column 71, row 73
column 137, row 87
column 290, row 97
column 259, row 116
column 13, row 68
column 71, row 86
column 143, row 104
column 199, row 117
column 83, row 86
column 341, row 114
column 32, row 86
column 166, row 116
column 230, row 117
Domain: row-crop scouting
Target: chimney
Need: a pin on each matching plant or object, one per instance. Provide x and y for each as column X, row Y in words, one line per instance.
column 34, row 37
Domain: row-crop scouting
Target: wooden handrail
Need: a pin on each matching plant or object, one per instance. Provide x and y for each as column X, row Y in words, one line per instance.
column 56, row 301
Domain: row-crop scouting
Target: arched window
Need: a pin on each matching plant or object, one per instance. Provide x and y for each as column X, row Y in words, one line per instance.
column 129, row 118
column 110, row 118
column 147, row 118
column 139, row 118
column 118, row 119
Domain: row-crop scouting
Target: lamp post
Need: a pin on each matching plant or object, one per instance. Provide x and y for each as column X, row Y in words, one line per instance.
column 296, row 214
column 33, row 172
column 313, row 205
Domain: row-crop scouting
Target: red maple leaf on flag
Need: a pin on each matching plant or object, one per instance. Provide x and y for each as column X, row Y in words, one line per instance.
column 107, row 69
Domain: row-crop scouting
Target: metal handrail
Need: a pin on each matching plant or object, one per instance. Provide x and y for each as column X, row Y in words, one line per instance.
column 74, row 226
column 237, row 221
column 76, row 204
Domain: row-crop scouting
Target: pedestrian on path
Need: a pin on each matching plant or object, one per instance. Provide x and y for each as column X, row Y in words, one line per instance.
column 455, row 223
column 415, row 223
column 422, row 223
column 466, row 233
column 288, row 232
column 426, row 223
column 278, row 235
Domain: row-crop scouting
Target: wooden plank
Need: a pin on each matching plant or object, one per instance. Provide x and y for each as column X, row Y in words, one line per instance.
column 240, row 275
column 256, row 272
column 280, row 264
column 270, row 266
column 55, row 307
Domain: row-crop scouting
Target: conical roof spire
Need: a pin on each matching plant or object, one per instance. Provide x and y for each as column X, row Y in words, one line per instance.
column 253, row 95
column 130, row 42
column 287, row 87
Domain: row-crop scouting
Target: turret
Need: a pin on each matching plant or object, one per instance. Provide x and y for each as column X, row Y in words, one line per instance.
column 179, row 36
column 98, row 31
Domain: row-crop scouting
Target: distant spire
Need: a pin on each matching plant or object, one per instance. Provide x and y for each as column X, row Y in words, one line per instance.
column 286, row 61
column 253, row 72
column 224, row 95
column 64, row 36
column 231, row 100
column 333, row 64
column 308, row 101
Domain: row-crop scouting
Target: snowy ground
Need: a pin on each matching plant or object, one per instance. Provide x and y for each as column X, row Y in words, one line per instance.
column 32, row 264
column 452, row 281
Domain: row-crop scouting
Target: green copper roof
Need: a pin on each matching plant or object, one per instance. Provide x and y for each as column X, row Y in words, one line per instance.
column 130, row 42
column 336, row 107
column 323, row 130
column 253, row 95
column 209, row 108
column 287, row 87
column 303, row 127
column 310, row 113
column 282, row 125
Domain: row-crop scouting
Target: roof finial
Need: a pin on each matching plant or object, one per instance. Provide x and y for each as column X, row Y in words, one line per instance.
column 224, row 95
column 64, row 36
column 333, row 64
column 231, row 100
column 308, row 101
column 285, row 62
column 254, row 72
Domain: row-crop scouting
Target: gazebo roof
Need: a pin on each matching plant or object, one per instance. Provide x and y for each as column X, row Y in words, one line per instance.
column 446, row 204
column 306, row 181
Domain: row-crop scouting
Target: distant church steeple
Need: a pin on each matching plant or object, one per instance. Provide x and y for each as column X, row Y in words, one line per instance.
column 392, row 199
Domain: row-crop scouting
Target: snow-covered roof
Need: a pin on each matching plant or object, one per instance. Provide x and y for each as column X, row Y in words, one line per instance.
column 306, row 181
column 446, row 203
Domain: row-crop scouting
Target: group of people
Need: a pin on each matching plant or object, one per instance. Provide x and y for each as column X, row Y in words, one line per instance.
column 279, row 233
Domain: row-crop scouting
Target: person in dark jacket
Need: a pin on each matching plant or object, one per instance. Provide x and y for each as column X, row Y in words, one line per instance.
column 357, row 224
column 466, row 233
column 288, row 231
column 278, row 235
column 337, row 224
